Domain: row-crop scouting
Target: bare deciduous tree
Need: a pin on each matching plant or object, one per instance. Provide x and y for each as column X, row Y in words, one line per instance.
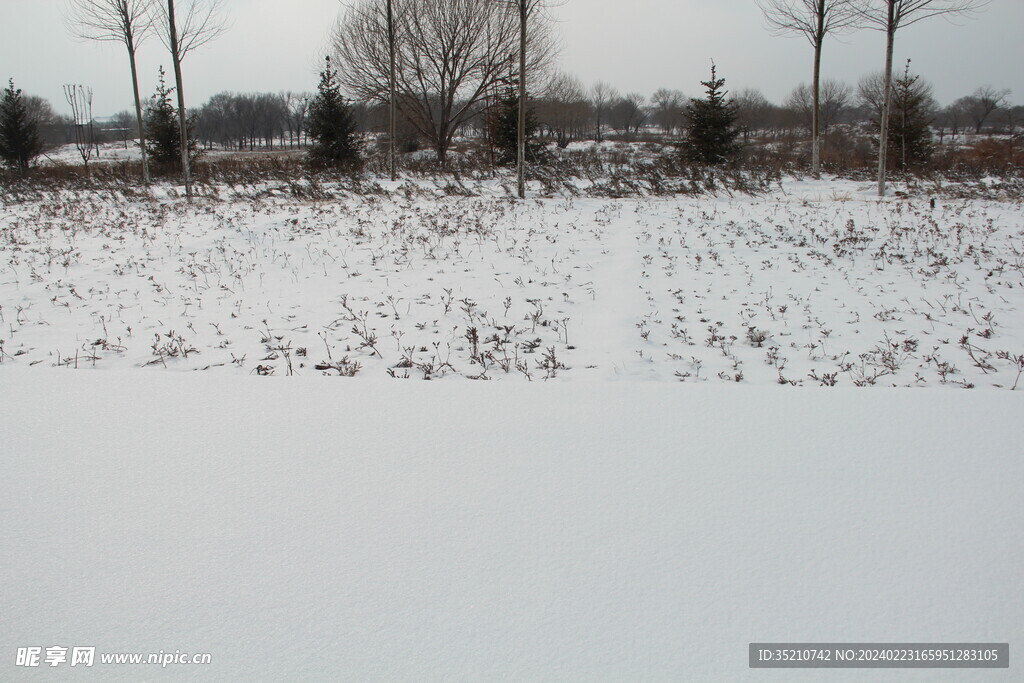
column 121, row 125
column 79, row 98
column 833, row 100
column 392, row 36
column 983, row 103
column 602, row 97
column 753, row 110
column 182, row 32
column 1013, row 116
column 450, row 55
column 524, row 9
column 949, row 119
column 295, row 119
column 815, row 20
column 890, row 16
column 124, row 21
column 365, row 25
column 52, row 127
column 912, row 115
column 871, row 93
column 668, row 108
column 564, row 109
column 627, row 113
column 528, row 12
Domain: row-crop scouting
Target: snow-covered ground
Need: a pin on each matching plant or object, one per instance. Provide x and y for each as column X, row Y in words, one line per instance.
column 115, row 152
column 336, row 531
column 108, row 152
column 816, row 283
column 183, row 469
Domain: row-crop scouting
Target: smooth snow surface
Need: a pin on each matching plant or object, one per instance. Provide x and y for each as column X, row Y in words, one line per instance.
column 298, row 529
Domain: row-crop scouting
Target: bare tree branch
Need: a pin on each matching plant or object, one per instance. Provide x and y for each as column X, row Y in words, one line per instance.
column 815, row 20
column 889, row 16
column 126, row 21
column 602, row 96
column 527, row 11
column 909, row 12
column 197, row 22
column 122, row 21
column 450, row 56
column 79, row 97
column 181, row 32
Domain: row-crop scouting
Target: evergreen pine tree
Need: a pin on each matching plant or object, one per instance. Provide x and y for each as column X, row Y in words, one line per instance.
column 163, row 142
column 910, row 135
column 19, row 135
column 713, row 132
column 505, row 132
column 331, row 125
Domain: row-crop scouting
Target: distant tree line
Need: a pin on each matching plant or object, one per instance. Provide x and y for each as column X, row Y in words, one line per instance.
column 431, row 73
column 565, row 111
column 254, row 120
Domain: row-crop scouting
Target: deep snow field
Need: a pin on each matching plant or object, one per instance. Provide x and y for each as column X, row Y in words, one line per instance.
column 814, row 284
column 215, row 436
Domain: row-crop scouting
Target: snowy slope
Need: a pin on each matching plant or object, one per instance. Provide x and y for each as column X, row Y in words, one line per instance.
column 297, row 529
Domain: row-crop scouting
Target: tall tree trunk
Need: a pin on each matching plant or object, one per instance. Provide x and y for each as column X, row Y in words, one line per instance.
column 883, row 140
column 183, row 126
column 816, row 116
column 391, row 92
column 521, row 146
column 138, row 110
column 819, row 39
column 903, row 128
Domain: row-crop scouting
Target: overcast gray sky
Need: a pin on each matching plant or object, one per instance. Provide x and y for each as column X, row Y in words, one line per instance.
column 635, row 45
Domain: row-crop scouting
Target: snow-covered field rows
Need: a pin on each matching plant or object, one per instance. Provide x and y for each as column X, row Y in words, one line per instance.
column 814, row 284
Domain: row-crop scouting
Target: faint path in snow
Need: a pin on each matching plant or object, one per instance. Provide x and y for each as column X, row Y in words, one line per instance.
column 608, row 321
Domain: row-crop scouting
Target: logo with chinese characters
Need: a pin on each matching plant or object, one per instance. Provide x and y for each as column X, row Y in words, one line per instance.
column 55, row 656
